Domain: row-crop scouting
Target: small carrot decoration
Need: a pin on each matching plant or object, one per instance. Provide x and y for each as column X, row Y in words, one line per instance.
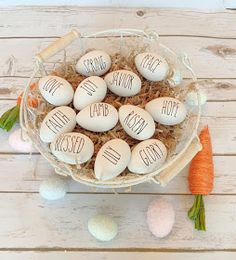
column 9, row 118
column 200, row 179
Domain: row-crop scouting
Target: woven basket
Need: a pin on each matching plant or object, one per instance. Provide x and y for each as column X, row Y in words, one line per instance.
column 74, row 45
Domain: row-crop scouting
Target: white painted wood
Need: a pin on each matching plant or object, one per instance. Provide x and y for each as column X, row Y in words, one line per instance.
column 31, row 21
column 218, row 54
column 11, row 255
column 29, row 221
column 229, row 4
column 24, row 173
column 216, row 89
column 200, row 4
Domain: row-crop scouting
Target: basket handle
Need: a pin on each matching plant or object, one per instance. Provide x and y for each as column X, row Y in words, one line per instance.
column 170, row 172
column 57, row 46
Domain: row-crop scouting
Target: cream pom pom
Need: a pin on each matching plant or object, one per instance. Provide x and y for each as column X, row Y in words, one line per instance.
column 102, row 227
column 53, row 188
column 160, row 217
column 192, row 98
column 16, row 142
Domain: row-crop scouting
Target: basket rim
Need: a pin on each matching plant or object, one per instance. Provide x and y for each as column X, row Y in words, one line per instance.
column 113, row 183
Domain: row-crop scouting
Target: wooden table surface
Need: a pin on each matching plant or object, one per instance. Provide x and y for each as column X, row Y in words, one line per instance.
column 32, row 228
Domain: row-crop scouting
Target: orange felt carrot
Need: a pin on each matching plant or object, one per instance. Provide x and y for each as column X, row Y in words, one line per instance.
column 201, row 179
column 8, row 119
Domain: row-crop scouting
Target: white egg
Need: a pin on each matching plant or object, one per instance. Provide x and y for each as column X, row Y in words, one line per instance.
column 175, row 79
column 123, row 83
column 94, row 63
column 56, row 91
column 92, row 89
column 59, row 120
column 166, row 110
column 97, row 117
column 147, row 156
column 72, row 148
column 136, row 122
column 112, row 159
column 151, row 66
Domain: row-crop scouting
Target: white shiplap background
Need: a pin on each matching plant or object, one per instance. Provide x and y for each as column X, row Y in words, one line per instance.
column 200, row 4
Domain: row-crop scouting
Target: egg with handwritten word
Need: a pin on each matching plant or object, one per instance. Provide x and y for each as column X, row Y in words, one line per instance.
column 72, row 148
column 59, row 120
column 112, row 159
column 151, row 66
column 147, row 156
column 90, row 90
column 167, row 110
column 136, row 122
column 55, row 90
column 94, row 63
column 123, row 83
column 98, row 117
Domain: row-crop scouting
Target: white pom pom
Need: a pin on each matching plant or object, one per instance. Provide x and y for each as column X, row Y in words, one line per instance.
column 16, row 142
column 160, row 217
column 53, row 188
column 192, row 98
column 102, row 227
column 175, row 79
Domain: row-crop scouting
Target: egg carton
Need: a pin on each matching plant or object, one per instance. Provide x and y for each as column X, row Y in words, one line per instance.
column 184, row 151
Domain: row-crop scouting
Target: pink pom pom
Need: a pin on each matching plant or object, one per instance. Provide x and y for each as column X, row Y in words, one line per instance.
column 18, row 144
column 160, row 217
